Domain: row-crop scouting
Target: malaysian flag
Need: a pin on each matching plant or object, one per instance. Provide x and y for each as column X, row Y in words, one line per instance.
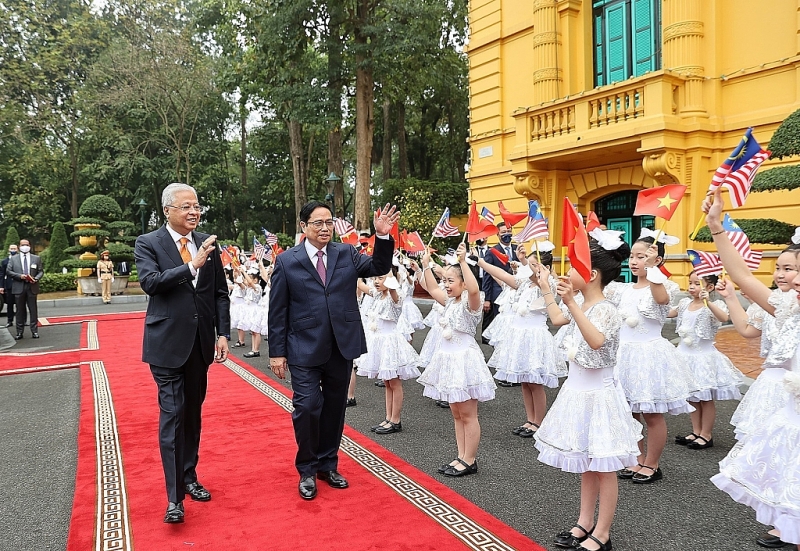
column 741, row 242
column 272, row 239
column 737, row 172
column 443, row 228
column 259, row 250
column 536, row 227
column 489, row 215
column 705, row 264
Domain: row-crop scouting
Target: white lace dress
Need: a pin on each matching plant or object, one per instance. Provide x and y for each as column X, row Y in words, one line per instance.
column 457, row 372
column 762, row 470
column 411, row 314
column 434, row 336
column 714, row 376
column 767, row 394
column 589, row 427
column 652, row 374
column 504, row 302
column 261, row 323
column 389, row 355
column 527, row 352
column 250, row 319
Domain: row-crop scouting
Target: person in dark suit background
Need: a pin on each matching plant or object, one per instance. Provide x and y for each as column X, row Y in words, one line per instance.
column 315, row 332
column 25, row 270
column 5, row 285
column 187, row 327
column 491, row 288
column 124, row 268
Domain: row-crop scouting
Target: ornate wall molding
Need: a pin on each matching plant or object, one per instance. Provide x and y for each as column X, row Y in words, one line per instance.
column 550, row 73
column 545, row 38
column 683, row 28
column 665, row 167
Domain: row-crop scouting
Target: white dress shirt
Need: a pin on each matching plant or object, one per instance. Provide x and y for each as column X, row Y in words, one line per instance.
column 190, row 246
column 312, row 251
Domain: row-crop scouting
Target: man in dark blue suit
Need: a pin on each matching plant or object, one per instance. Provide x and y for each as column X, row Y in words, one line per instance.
column 315, row 332
column 491, row 288
column 187, row 327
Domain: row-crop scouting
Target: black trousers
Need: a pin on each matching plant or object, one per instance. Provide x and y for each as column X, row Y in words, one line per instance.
column 320, row 393
column 10, row 301
column 26, row 302
column 181, row 392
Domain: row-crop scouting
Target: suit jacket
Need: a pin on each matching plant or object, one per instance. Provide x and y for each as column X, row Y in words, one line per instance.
column 491, row 288
column 14, row 270
column 177, row 310
column 5, row 279
column 305, row 316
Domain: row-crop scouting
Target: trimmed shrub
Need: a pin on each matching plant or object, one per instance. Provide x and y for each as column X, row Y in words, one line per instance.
column 758, row 230
column 101, row 206
column 777, row 179
column 55, row 252
column 785, row 141
column 51, row 283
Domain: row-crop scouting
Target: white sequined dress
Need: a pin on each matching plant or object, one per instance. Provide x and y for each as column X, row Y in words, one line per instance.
column 504, row 302
column 434, row 336
column 652, row 373
column 389, row 355
column 262, row 325
column 527, row 351
column 457, row 372
column 714, row 376
column 249, row 318
column 237, row 305
column 589, row 427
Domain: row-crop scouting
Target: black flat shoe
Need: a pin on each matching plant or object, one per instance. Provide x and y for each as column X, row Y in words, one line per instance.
column 393, row 427
column 380, row 383
column 174, row 513
column 568, row 540
column 640, row 478
column 443, row 404
column 684, row 440
column 375, row 427
column 237, row 344
column 603, row 546
column 350, row 403
column 334, row 479
column 467, row 470
column 444, row 467
column 528, row 433
column 627, row 474
column 35, row 335
column 505, row 384
column 771, row 542
column 522, row 427
column 308, row 487
column 197, row 492
column 696, row 445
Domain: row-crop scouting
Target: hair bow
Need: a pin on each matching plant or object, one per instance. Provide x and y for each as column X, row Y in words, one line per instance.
column 796, row 236
column 610, row 240
column 391, row 283
column 662, row 237
column 545, row 246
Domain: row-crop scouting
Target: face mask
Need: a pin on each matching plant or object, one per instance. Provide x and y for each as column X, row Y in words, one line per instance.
column 12, row 253
column 25, row 249
column 505, row 239
column 480, row 242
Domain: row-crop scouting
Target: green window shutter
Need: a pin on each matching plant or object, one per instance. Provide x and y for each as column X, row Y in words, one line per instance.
column 599, row 51
column 644, row 32
column 617, row 44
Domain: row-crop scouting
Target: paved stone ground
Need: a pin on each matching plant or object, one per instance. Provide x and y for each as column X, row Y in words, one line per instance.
column 38, row 424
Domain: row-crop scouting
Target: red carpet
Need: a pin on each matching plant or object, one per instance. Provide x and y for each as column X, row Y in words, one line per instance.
column 246, row 462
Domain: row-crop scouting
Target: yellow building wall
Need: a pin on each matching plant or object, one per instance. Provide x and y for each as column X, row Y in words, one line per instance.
column 539, row 128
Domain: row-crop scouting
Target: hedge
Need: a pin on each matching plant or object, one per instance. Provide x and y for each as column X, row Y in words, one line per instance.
column 785, row 141
column 51, row 283
column 758, row 230
column 777, row 179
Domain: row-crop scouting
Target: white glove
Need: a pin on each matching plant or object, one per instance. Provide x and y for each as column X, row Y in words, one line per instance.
column 112, row 279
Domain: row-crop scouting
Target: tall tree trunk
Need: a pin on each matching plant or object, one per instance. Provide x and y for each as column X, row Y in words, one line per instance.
column 73, row 167
column 402, row 153
column 243, row 163
column 334, row 46
column 386, row 158
column 298, row 169
column 336, row 166
column 365, row 119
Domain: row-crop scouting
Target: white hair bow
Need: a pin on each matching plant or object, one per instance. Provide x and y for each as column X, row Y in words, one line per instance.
column 796, row 236
column 545, row 246
column 391, row 283
column 662, row 237
column 610, row 240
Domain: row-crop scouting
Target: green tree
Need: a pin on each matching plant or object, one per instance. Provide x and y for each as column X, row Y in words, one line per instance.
column 55, row 251
column 12, row 238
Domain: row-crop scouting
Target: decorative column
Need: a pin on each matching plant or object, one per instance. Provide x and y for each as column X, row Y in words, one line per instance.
column 683, row 49
column 546, row 43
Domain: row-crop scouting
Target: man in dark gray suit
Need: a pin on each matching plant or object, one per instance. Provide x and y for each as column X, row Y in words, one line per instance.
column 187, row 327
column 25, row 270
column 315, row 331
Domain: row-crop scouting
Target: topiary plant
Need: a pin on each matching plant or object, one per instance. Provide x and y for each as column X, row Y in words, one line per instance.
column 785, row 141
column 12, row 238
column 56, row 251
column 101, row 206
column 777, row 179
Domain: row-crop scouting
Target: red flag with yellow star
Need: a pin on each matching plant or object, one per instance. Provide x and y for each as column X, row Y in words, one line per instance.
column 510, row 218
column 477, row 228
column 368, row 245
column 412, row 242
column 575, row 238
column 659, row 201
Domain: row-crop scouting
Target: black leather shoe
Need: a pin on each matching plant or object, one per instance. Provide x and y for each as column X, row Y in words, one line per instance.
column 375, row 427
column 197, row 492
column 393, row 427
column 251, row 354
column 603, row 546
column 684, row 440
column 174, row 513
column 334, row 479
column 642, row 478
column 467, row 470
column 18, row 337
column 504, row 383
column 700, row 443
column 380, row 383
column 350, row 403
column 443, row 404
column 444, row 467
column 10, row 324
column 568, row 540
column 627, row 474
column 35, row 335
column 528, row 433
column 308, row 487
column 771, row 542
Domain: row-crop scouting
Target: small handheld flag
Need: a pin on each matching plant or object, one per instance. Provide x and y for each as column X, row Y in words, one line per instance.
column 477, row 228
column 510, row 218
column 736, row 174
column 659, row 201
column 489, row 215
column 704, row 263
column 444, row 228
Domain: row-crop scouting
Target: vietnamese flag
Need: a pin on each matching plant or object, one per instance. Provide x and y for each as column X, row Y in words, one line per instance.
column 350, row 238
column 592, row 221
column 502, row 257
column 659, row 201
column 225, row 257
column 369, row 245
column 511, row 218
column 395, row 233
column 575, row 238
column 477, row 228
column 412, row 242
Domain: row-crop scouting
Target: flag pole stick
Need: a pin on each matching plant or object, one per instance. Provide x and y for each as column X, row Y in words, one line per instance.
column 464, row 238
column 700, row 224
column 660, row 231
column 563, row 260
column 538, row 256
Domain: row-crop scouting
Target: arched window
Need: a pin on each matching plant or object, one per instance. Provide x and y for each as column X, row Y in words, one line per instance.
column 627, row 39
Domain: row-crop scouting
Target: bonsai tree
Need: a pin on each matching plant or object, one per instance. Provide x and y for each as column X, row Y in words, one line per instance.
column 55, row 252
column 97, row 228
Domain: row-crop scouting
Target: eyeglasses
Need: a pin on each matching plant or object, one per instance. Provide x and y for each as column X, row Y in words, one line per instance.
column 317, row 224
column 186, row 208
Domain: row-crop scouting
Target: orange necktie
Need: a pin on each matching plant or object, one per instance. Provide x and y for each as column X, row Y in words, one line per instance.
column 185, row 254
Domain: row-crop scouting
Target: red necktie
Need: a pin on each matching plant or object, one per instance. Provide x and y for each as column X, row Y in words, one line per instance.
column 321, row 270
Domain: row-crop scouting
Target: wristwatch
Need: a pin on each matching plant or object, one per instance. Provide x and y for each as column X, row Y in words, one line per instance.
column 226, row 336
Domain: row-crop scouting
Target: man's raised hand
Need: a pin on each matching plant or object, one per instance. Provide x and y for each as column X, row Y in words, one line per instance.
column 385, row 219
column 203, row 251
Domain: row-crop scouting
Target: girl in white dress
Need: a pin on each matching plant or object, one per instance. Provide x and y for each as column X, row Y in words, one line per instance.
column 457, row 371
column 262, row 322
column 433, row 319
column 527, row 353
column 589, row 429
column 251, row 313
column 763, row 470
column 411, row 314
column 767, row 394
column 389, row 356
column 237, row 305
column 715, row 377
column 654, row 377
